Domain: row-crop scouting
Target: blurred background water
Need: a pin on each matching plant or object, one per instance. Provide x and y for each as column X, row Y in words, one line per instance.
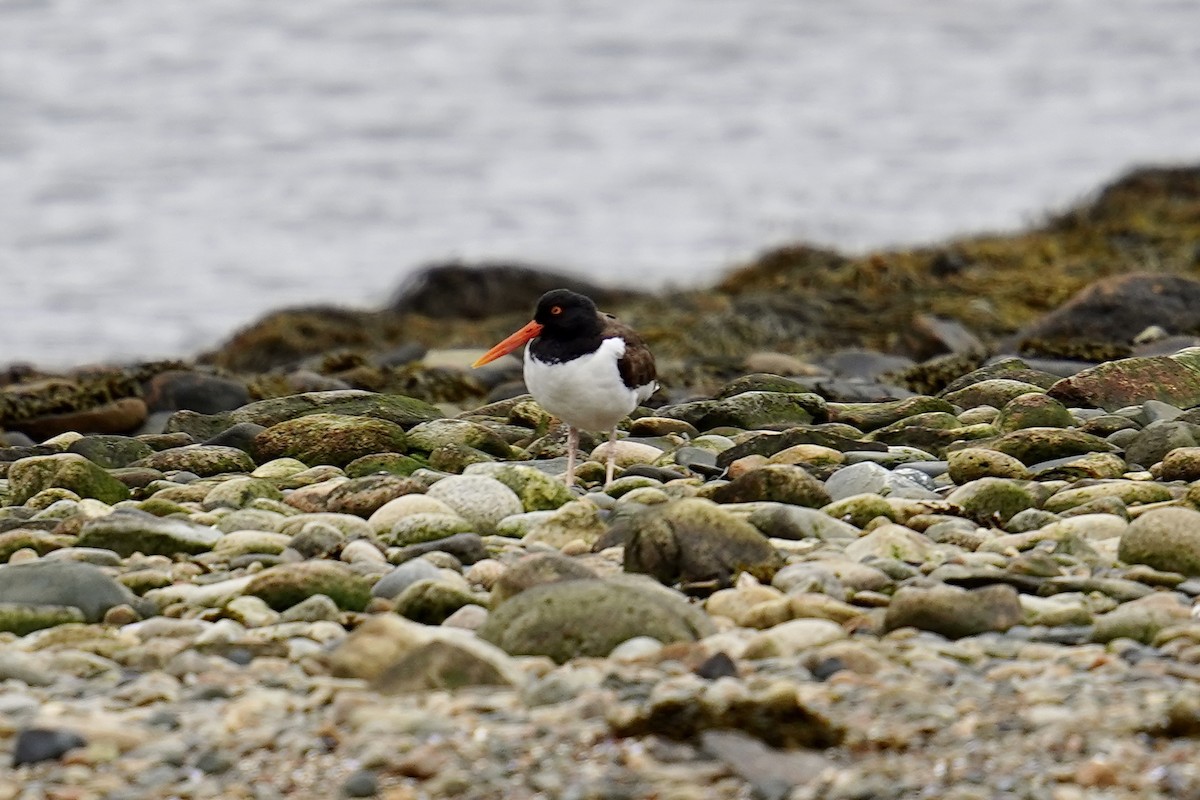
column 169, row 170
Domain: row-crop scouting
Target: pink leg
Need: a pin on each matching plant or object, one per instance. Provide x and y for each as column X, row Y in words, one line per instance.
column 572, row 446
column 612, row 452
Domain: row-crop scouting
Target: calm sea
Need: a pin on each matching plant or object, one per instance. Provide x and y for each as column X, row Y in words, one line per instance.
column 169, row 170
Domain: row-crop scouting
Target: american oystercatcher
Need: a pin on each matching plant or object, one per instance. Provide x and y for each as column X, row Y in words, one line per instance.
column 584, row 367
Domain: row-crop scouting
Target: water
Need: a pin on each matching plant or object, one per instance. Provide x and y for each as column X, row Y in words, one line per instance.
column 171, row 170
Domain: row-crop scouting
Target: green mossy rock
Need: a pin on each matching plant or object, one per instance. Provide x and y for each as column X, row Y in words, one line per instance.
column 589, row 618
column 128, row 531
column 430, row 601
column 336, row 439
column 1164, row 538
column 750, row 410
column 202, row 459
column 22, row 619
column 1033, row 411
column 71, row 471
column 286, row 585
column 780, row 483
column 404, row 411
column 872, row 416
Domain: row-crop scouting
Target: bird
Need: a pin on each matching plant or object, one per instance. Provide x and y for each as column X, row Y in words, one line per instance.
column 583, row 366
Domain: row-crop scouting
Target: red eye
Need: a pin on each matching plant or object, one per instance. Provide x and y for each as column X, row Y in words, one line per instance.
column 556, row 310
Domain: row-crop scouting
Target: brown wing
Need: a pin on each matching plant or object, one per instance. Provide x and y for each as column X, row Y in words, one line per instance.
column 637, row 365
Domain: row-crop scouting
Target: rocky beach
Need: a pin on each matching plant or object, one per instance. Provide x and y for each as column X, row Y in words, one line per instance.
column 920, row 523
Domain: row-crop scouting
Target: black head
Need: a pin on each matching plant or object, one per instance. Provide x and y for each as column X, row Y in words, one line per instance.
column 562, row 312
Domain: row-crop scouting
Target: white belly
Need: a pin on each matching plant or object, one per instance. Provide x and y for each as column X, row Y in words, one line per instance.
column 587, row 392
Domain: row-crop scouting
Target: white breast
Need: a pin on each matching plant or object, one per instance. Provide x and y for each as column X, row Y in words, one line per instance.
column 586, row 392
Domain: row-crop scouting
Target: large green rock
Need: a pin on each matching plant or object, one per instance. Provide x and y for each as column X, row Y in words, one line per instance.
column 335, row 439
column 750, row 410
column 780, row 483
column 128, row 531
column 72, row 471
column 1173, row 379
column 429, row 436
column 872, row 416
column 201, row 459
column 694, row 541
column 404, row 411
column 590, row 617
column 286, row 585
column 1164, row 538
column 954, row 612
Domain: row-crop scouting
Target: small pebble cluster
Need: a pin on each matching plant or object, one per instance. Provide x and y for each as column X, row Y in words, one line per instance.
column 988, row 592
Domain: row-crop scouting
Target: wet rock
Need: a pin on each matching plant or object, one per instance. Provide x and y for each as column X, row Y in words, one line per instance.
column 330, row 438
column 996, row 392
column 783, row 521
column 1181, row 464
column 761, row 382
column 780, row 483
column 429, row 436
column 364, row 496
column 857, row 510
column 481, row 500
column 535, row 570
column 868, row 417
column 578, row 520
column 1034, row 445
column 123, row 415
column 972, row 463
column 1072, row 468
column 431, row 600
column 954, row 612
column 110, row 452
column 1164, row 538
column 1128, row 492
column 1033, row 411
column 792, row 638
column 425, row 527
column 240, row 435
column 1117, row 308
column 537, row 490
column 694, row 541
column 468, row 548
column 998, row 499
column 890, row 542
column 1173, row 379
column 567, row 619
column 1141, row 619
column 244, row 542
column 403, row 576
column 867, row 477
column 449, row 664
column 1155, row 441
column 375, row 645
column 837, row 437
column 65, row 583
column 750, row 410
column 22, row 619
column 392, row 463
column 186, row 389
column 404, row 411
column 239, row 493
column 391, row 512
column 71, row 471
column 286, row 585
column 773, row 714
column 128, row 530
column 199, row 459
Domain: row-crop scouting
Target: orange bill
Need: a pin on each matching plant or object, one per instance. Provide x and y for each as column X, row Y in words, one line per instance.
column 530, row 331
